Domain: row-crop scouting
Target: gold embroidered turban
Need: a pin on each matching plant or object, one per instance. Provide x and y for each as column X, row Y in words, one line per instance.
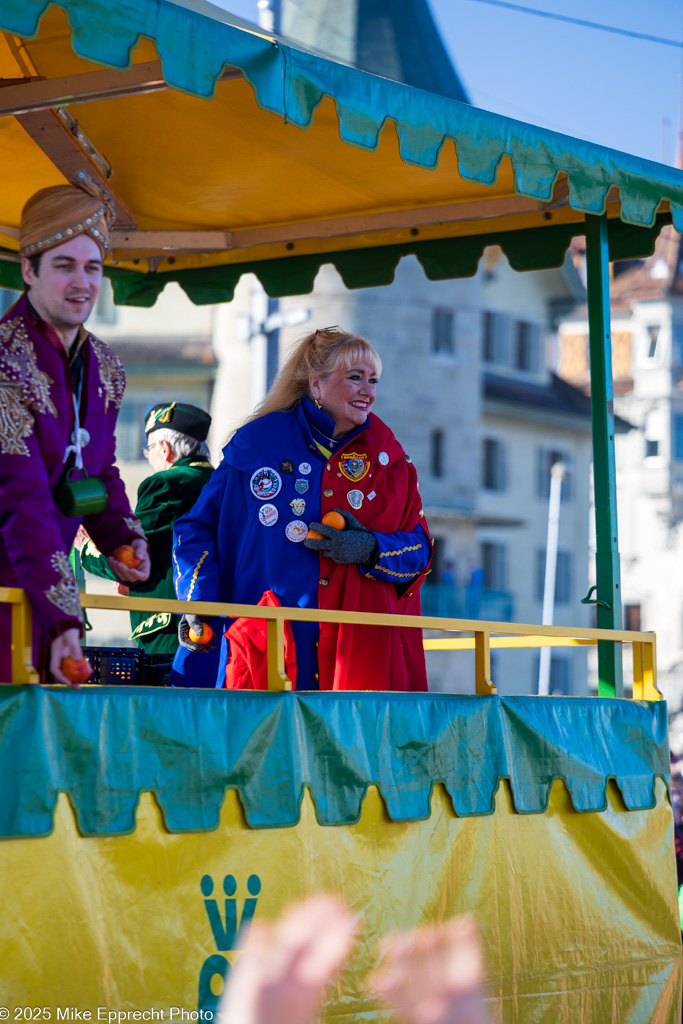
column 54, row 215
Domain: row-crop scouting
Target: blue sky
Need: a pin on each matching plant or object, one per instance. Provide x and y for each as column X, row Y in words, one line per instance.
column 595, row 85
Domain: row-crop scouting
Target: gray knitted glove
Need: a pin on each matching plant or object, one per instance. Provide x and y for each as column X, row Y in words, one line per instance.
column 188, row 622
column 353, row 546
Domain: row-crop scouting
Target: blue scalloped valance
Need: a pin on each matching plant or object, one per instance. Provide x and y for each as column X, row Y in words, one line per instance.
column 103, row 746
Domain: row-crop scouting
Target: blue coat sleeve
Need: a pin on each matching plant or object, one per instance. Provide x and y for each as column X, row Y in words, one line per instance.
column 197, row 572
column 401, row 556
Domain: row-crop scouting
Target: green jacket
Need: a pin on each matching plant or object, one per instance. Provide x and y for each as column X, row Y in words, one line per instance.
column 162, row 498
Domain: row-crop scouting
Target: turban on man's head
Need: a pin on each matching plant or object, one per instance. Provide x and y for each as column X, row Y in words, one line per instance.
column 55, row 215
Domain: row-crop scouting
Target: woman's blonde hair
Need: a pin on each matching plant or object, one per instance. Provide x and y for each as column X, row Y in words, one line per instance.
column 318, row 354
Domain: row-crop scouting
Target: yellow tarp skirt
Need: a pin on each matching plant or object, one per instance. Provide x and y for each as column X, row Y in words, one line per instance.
column 577, row 910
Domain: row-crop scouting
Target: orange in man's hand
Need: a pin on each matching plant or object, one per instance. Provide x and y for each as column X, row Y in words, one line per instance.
column 334, row 519
column 76, row 670
column 203, row 637
column 126, row 554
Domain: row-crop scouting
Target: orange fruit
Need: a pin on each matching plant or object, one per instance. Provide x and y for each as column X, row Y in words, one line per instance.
column 126, row 554
column 76, row 670
column 334, row 519
column 203, row 637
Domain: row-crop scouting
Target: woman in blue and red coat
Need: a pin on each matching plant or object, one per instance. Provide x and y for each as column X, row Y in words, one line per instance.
column 312, row 447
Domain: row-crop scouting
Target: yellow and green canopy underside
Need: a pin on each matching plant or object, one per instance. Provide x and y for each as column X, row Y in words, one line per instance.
column 242, row 153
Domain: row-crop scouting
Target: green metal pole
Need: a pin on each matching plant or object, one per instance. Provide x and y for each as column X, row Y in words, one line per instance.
column 607, row 568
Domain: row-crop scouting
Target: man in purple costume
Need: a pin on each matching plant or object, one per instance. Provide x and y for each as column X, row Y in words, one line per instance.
column 60, row 390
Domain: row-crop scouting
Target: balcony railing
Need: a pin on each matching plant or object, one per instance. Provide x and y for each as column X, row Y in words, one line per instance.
column 485, row 636
column 449, row 602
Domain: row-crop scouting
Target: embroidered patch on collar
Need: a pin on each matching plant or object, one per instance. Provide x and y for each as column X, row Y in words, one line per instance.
column 354, row 465
column 265, row 483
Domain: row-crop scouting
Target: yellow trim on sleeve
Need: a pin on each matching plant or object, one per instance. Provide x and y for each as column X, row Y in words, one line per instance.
column 390, row 572
column 389, row 554
column 195, row 574
column 177, row 579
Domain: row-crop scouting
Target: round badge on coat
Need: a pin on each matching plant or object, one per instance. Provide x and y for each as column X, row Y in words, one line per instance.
column 305, row 468
column 268, row 515
column 355, row 498
column 383, row 459
column 296, row 531
column 265, row 483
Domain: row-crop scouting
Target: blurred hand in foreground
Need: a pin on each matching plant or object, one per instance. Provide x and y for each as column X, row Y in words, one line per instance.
column 283, row 977
column 433, row 974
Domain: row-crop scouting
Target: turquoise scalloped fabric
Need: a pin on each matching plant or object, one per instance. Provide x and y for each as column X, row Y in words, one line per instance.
column 194, row 49
column 103, row 746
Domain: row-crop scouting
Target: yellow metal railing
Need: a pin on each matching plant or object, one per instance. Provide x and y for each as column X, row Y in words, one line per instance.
column 487, row 636
column 22, row 653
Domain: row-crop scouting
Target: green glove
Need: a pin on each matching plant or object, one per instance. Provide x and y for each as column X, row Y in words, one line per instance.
column 353, row 546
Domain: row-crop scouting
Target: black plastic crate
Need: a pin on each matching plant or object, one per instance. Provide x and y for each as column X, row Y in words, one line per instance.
column 116, row 666
column 127, row 666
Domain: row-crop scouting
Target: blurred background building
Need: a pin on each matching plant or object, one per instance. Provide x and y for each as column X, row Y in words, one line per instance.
column 647, row 358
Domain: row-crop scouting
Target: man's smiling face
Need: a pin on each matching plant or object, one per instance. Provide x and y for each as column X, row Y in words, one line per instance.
column 67, row 284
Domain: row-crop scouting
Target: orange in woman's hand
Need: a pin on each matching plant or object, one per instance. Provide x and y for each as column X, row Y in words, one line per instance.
column 334, row 519
column 76, row 670
column 126, row 554
column 200, row 638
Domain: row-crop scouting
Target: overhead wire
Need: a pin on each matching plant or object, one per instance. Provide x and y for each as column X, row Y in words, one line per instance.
column 582, row 22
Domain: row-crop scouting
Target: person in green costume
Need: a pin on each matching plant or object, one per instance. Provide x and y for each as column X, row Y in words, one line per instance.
column 178, row 454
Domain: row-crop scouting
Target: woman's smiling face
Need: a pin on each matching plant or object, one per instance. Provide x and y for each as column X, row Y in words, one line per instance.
column 347, row 395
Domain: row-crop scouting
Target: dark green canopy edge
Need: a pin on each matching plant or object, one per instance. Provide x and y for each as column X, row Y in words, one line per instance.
column 532, row 249
column 189, row 746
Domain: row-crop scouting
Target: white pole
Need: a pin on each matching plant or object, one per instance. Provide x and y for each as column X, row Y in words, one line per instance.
column 259, row 344
column 558, row 471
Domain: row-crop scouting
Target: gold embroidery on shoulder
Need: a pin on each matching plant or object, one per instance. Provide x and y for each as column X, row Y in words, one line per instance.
column 23, row 388
column 64, row 594
column 112, row 374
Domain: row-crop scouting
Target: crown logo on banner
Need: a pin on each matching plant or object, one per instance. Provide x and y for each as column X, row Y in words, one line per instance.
column 230, row 930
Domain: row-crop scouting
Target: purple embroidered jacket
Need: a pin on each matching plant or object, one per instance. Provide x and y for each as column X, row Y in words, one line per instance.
column 36, row 423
